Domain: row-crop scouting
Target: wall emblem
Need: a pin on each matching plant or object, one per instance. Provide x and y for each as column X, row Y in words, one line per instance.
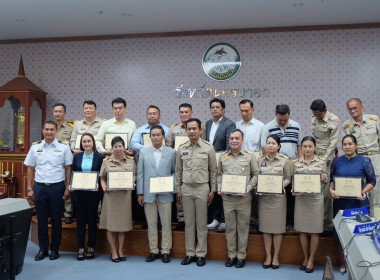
column 221, row 62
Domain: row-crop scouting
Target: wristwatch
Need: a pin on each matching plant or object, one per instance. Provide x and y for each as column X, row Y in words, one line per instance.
column 29, row 189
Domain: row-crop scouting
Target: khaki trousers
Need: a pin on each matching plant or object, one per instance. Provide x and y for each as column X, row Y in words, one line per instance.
column 194, row 200
column 237, row 212
column 165, row 212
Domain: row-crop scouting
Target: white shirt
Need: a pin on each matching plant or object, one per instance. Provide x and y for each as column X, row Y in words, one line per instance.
column 214, row 128
column 252, row 134
column 157, row 155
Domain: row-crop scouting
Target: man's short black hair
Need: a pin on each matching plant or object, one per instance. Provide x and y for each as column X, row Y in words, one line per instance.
column 318, row 105
column 195, row 120
column 89, row 102
column 119, row 100
column 221, row 101
column 60, row 104
column 245, row 101
column 282, row 109
column 185, row 105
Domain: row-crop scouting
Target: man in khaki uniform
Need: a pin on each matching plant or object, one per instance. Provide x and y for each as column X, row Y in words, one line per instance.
column 325, row 129
column 179, row 129
column 237, row 206
column 366, row 129
column 64, row 134
column 90, row 124
column 64, row 127
column 195, row 170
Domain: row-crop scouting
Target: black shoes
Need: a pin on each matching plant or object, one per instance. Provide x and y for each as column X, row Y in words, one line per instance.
column 54, row 255
column 201, row 261
column 188, row 260
column 240, row 263
column 230, row 262
column 152, row 257
column 41, row 255
column 68, row 220
column 309, row 270
column 117, row 260
column 302, row 267
column 180, row 226
column 266, row 266
column 165, row 258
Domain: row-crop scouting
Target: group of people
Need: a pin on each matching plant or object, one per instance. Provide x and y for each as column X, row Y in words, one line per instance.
column 197, row 163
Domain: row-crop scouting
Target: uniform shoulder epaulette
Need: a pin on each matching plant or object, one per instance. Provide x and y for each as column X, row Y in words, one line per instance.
column 175, row 124
column 37, row 142
column 373, row 117
column 225, row 152
column 249, row 152
column 130, row 157
column 106, row 158
column 284, row 156
column 63, row 142
column 185, row 143
column 71, row 123
column 207, row 142
column 295, row 160
column 321, row 158
column 345, row 125
column 262, row 156
column 104, row 119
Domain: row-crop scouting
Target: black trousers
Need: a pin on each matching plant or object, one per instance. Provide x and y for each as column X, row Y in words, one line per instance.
column 49, row 203
column 86, row 208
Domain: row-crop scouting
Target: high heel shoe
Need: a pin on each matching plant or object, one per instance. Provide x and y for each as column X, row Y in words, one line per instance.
column 309, row 270
column 303, row 267
column 266, row 266
column 115, row 260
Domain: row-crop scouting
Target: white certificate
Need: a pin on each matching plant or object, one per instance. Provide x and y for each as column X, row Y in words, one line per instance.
column 147, row 141
column 234, row 184
column 307, row 183
column 269, row 183
column 179, row 140
column 77, row 142
column 348, row 186
column 110, row 136
column 162, row 184
column 85, row 181
column 217, row 155
column 120, row 180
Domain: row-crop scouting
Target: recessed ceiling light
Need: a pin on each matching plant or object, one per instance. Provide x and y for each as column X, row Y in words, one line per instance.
column 126, row 15
column 20, row 20
column 100, row 12
column 297, row 4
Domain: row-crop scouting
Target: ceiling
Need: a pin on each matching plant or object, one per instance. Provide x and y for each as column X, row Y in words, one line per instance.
column 31, row 19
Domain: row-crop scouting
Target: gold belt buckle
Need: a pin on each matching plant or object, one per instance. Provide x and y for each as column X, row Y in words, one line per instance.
column 47, row 184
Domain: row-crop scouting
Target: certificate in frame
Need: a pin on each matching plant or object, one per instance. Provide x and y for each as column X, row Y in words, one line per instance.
column 348, row 187
column 77, row 142
column 84, row 181
column 162, row 184
column 234, row 183
column 179, row 140
column 270, row 184
column 120, row 180
column 307, row 183
column 109, row 136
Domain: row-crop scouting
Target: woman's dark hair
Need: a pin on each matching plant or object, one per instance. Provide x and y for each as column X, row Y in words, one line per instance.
column 93, row 142
column 350, row 136
column 116, row 140
column 276, row 138
column 309, row 138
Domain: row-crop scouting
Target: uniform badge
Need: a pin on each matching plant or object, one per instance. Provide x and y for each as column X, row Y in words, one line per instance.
column 185, row 153
column 263, row 164
column 57, row 151
column 39, row 150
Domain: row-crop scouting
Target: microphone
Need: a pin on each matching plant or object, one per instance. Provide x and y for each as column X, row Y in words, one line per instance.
column 362, row 218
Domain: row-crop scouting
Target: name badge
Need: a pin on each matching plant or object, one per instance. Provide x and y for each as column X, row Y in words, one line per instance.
column 365, row 228
column 353, row 212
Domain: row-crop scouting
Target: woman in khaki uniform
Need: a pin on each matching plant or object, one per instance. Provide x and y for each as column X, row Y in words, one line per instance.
column 309, row 209
column 272, row 208
column 116, row 215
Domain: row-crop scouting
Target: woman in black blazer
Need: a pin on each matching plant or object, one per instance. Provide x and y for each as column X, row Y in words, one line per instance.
column 86, row 202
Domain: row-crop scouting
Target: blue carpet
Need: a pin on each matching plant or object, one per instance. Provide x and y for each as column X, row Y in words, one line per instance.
column 67, row 267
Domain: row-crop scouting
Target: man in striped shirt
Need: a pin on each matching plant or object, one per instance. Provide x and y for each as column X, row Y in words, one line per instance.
column 290, row 135
column 288, row 130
